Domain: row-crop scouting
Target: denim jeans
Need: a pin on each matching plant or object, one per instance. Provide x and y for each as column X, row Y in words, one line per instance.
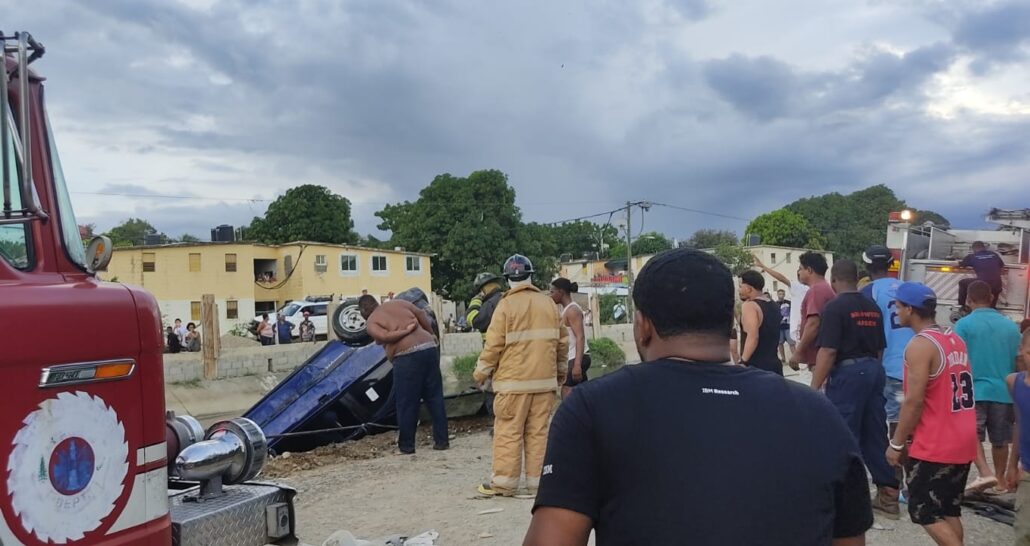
column 893, row 391
column 856, row 388
column 417, row 379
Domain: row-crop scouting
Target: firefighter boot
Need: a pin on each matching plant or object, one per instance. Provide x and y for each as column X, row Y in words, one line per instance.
column 885, row 503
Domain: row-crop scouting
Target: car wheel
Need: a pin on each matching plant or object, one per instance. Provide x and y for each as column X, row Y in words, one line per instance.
column 349, row 325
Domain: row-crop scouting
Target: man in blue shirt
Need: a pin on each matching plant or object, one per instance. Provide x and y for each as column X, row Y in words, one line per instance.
column 882, row 290
column 988, row 267
column 284, row 330
column 992, row 341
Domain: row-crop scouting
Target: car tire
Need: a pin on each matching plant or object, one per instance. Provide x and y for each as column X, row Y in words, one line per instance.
column 349, row 325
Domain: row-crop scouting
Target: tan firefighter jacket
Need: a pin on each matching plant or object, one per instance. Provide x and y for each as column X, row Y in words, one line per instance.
column 526, row 346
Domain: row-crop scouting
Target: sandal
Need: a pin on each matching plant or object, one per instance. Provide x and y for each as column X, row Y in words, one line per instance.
column 980, row 484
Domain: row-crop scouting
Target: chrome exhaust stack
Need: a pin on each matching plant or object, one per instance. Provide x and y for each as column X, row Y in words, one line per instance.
column 232, row 452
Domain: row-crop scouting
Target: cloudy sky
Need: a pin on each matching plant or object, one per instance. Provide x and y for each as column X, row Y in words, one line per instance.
column 734, row 108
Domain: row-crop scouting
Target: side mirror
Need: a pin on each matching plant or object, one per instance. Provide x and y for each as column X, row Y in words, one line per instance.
column 99, row 253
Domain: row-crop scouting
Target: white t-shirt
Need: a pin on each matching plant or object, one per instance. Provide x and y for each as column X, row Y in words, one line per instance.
column 572, row 334
column 797, row 295
column 181, row 331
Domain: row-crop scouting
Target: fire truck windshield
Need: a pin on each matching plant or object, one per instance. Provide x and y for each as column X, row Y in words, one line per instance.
column 69, row 228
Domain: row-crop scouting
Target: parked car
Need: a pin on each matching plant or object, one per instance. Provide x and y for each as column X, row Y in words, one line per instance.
column 294, row 313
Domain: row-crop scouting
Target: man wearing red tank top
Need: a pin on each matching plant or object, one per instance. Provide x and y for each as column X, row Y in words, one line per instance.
column 939, row 415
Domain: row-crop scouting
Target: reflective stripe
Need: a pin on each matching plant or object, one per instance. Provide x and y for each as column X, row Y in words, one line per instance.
column 543, row 334
column 147, row 501
column 532, row 482
column 504, row 482
column 151, row 454
column 526, row 385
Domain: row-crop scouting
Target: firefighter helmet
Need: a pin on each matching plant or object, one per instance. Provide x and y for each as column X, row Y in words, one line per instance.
column 484, row 279
column 518, row 268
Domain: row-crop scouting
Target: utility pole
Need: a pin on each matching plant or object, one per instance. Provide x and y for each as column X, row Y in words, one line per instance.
column 629, row 262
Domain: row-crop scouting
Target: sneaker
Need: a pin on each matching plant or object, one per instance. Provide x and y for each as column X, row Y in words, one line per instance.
column 441, row 447
column 886, row 503
column 486, row 489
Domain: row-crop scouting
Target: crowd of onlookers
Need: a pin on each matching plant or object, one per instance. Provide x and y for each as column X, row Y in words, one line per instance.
column 181, row 338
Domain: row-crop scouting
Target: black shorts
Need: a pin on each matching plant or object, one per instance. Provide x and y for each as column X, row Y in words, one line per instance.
column 995, row 419
column 935, row 490
column 569, row 381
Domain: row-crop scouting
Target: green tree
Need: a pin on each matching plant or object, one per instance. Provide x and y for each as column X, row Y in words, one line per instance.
column 851, row 223
column 736, row 257
column 305, row 213
column 582, row 236
column 711, row 238
column 785, row 227
column 648, row 243
column 470, row 224
column 132, row 232
column 187, row 238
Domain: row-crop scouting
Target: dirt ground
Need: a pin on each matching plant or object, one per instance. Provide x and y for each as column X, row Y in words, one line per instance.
column 366, row 489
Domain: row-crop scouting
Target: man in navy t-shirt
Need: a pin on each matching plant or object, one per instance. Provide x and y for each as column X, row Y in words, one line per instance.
column 989, row 268
column 688, row 449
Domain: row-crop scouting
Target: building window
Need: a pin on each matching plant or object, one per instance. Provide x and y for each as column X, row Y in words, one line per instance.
column 321, row 265
column 232, row 309
column 148, row 262
column 194, row 262
column 413, row 264
column 348, row 264
column 195, row 311
column 788, row 257
column 230, row 263
column 773, row 259
column 288, row 265
column 378, row 264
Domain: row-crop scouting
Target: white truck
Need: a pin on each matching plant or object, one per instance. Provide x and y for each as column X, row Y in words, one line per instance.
column 930, row 254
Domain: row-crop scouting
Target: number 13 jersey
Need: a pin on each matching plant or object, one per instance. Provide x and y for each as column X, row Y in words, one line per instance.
column 946, row 432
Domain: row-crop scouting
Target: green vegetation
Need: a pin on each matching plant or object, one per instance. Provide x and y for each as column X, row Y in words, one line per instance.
column 305, row 213
column 191, row 384
column 463, row 367
column 604, row 352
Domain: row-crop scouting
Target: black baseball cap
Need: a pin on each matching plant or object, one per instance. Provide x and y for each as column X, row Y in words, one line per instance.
column 877, row 253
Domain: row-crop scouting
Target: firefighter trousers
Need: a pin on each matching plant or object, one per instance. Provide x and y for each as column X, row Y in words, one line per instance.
column 521, row 422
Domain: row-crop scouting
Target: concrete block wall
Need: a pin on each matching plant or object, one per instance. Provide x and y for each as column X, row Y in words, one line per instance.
column 257, row 360
column 239, row 362
column 461, row 344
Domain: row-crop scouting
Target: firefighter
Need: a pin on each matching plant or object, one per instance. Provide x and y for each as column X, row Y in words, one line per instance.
column 480, row 311
column 524, row 353
column 481, row 308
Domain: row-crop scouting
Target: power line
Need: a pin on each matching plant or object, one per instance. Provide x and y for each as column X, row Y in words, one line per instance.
column 708, row 213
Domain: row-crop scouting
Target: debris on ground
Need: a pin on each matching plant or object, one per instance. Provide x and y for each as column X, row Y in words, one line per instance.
column 345, row 538
column 490, row 511
column 369, row 447
column 229, row 341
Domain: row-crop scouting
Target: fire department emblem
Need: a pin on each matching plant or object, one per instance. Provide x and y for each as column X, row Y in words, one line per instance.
column 67, row 468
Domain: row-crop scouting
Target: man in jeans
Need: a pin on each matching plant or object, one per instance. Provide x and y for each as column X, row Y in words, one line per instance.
column 882, row 290
column 406, row 334
column 851, row 342
column 992, row 341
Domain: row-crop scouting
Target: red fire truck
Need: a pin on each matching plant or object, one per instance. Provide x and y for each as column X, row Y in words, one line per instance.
column 930, row 254
column 88, row 454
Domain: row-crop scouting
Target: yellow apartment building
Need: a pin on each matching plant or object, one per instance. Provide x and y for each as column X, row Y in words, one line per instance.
column 248, row 279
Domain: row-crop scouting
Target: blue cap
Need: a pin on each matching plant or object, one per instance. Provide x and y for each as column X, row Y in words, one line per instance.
column 915, row 294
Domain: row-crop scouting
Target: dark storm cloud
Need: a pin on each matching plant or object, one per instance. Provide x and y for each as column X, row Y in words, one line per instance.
column 583, row 104
column 765, row 88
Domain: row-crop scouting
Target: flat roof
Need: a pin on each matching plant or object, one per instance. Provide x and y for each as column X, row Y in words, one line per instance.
column 254, row 243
